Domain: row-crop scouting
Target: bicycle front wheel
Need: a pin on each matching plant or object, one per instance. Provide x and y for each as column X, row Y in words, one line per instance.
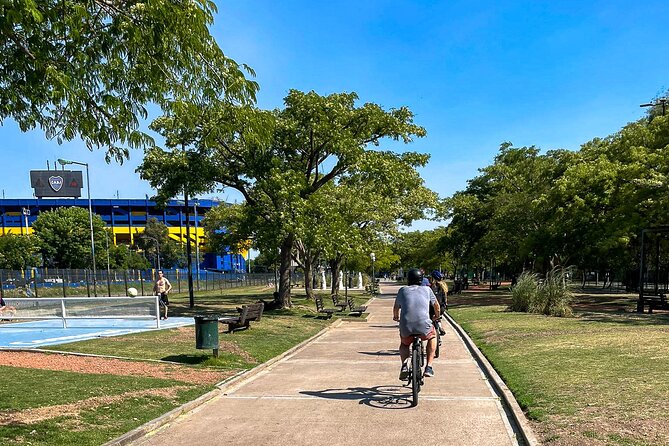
column 416, row 373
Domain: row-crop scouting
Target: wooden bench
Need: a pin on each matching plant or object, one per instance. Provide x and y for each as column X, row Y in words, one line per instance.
column 339, row 302
column 247, row 314
column 656, row 302
column 327, row 312
column 356, row 311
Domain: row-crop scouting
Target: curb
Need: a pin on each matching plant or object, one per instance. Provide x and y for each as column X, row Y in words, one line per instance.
column 520, row 424
column 222, row 387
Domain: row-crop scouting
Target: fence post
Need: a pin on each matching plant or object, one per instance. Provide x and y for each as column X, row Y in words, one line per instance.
column 141, row 280
column 108, row 284
column 34, row 280
column 88, row 285
column 64, row 280
column 125, row 280
column 178, row 280
column 2, row 291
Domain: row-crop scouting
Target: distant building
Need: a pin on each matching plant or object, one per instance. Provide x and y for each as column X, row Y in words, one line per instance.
column 127, row 220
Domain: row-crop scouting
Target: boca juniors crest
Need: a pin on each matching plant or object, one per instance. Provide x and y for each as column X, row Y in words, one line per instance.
column 56, row 183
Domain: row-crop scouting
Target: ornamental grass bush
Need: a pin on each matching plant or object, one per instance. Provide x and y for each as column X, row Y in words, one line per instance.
column 551, row 296
column 524, row 292
column 555, row 296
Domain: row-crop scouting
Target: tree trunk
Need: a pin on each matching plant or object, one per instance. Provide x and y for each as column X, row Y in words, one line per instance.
column 308, row 279
column 306, row 258
column 335, row 267
column 284, row 271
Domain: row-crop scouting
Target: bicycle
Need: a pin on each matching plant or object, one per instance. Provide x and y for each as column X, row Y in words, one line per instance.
column 415, row 377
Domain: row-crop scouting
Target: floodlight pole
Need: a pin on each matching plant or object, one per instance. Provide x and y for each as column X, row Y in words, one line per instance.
column 660, row 101
column 63, row 162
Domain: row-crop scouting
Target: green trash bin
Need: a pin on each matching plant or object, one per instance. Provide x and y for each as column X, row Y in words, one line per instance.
column 206, row 332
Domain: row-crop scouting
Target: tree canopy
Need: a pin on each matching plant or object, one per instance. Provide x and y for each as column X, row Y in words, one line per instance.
column 585, row 208
column 278, row 160
column 64, row 236
column 89, row 68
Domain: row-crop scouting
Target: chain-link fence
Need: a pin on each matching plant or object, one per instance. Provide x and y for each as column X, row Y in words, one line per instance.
column 52, row 282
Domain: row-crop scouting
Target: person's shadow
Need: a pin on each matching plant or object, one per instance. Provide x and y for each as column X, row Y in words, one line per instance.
column 381, row 397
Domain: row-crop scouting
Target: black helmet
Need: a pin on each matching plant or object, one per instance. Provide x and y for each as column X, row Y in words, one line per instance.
column 415, row 277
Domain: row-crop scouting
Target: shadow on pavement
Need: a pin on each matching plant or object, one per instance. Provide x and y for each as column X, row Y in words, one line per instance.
column 382, row 353
column 380, row 397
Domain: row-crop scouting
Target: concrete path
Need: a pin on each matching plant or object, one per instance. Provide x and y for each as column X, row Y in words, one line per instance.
column 343, row 389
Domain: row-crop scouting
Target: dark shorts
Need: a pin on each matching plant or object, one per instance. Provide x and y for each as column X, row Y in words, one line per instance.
column 408, row 340
column 164, row 301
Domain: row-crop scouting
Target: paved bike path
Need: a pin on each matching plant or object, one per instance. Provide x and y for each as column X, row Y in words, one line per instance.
column 343, row 389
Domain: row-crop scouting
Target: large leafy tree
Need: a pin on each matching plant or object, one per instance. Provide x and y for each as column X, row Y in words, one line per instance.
column 368, row 205
column 88, row 68
column 276, row 160
column 585, row 208
column 155, row 239
column 64, row 236
column 19, row 252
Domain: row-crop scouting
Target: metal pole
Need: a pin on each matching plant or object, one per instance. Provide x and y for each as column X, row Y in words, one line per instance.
column 197, row 247
column 189, row 252
column 640, row 302
column 108, row 269
column 90, row 220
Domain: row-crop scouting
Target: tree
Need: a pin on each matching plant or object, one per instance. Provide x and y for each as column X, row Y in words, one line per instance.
column 64, row 236
column 19, row 252
column 155, row 239
column 276, row 160
column 88, row 68
column 121, row 257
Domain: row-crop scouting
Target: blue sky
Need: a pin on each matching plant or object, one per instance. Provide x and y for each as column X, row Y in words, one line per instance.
column 475, row 73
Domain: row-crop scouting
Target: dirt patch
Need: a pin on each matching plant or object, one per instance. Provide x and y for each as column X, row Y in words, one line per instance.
column 38, row 414
column 108, row 366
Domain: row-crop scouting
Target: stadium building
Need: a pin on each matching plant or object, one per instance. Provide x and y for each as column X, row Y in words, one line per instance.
column 127, row 220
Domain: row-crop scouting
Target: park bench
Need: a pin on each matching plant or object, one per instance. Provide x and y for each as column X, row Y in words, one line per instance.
column 356, row 311
column 457, row 288
column 247, row 314
column 339, row 302
column 657, row 302
column 327, row 312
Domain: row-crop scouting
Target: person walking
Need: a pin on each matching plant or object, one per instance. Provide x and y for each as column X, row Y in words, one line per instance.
column 162, row 288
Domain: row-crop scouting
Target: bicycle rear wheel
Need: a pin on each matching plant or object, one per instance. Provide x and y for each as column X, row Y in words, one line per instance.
column 416, row 375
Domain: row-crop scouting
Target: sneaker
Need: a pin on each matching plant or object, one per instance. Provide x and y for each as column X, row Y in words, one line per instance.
column 442, row 332
column 428, row 372
column 404, row 372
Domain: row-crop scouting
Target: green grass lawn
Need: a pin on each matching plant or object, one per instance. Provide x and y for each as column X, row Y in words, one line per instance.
column 597, row 378
column 55, row 407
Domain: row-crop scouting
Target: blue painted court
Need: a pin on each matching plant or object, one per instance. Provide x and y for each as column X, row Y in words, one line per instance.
column 41, row 333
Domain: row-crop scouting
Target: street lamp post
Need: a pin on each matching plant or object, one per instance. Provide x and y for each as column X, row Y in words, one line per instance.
column 63, row 162
column 660, row 101
column 197, row 246
column 373, row 257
